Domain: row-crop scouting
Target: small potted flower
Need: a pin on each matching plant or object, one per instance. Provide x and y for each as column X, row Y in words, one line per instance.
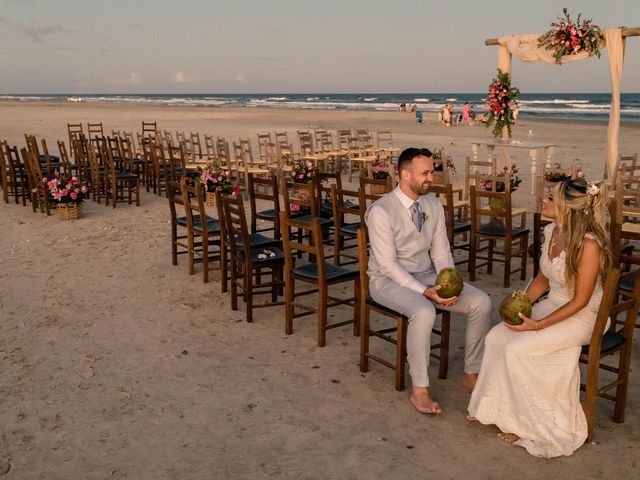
column 379, row 171
column 302, row 172
column 66, row 195
column 497, row 204
column 440, row 159
column 216, row 179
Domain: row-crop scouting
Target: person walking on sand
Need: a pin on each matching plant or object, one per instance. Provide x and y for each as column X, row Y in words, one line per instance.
column 466, row 119
column 409, row 246
column 529, row 384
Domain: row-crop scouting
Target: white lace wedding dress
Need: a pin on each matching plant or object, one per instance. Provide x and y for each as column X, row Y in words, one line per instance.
column 529, row 381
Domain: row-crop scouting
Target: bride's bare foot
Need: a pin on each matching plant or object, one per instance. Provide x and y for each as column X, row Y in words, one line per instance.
column 423, row 402
column 508, row 437
column 471, row 419
column 469, row 380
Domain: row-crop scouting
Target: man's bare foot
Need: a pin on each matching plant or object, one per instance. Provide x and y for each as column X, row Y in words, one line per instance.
column 469, row 380
column 423, row 402
column 508, row 437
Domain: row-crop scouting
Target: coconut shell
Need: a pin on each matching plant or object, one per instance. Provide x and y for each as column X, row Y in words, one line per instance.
column 450, row 282
column 511, row 306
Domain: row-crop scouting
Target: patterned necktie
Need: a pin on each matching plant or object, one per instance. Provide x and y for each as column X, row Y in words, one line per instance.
column 416, row 216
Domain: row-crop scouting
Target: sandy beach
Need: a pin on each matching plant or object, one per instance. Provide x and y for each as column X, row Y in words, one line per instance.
column 118, row 365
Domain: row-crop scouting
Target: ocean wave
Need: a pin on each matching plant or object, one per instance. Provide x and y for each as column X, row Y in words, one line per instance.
column 451, row 99
column 370, row 99
column 421, row 100
column 313, row 98
column 276, row 98
column 554, row 101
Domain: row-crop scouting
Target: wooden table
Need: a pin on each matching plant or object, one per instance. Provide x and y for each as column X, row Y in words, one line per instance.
column 533, row 147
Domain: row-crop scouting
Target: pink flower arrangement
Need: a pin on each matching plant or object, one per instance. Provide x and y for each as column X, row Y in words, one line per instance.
column 501, row 96
column 303, row 172
column 379, row 170
column 60, row 190
column 514, row 180
column 216, row 179
column 569, row 38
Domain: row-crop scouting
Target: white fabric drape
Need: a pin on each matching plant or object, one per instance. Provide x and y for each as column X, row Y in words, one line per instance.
column 525, row 47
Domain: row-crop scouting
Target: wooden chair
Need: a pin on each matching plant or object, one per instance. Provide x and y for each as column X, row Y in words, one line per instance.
column 202, row 236
column 209, row 147
column 149, row 129
column 616, row 340
column 223, row 155
column 269, row 193
column 118, row 182
column 346, row 222
column 456, row 226
column 74, row 130
column 320, row 274
column 35, row 177
column 196, row 147
column 544, row 186
column 14, row 177
column 95, row 130
column 248, row 262
column 66, row 166
column 397, row 334
column 499, row 228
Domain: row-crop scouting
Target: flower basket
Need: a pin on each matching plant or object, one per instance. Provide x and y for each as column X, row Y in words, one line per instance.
column 69, row 211
column 211, row 199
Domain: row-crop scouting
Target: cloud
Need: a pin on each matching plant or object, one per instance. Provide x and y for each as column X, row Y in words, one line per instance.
column 38, row 28
column 183, row 78
column 134, row 79
column 240, row 78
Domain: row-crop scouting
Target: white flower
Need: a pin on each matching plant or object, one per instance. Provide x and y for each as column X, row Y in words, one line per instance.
column 593, row 189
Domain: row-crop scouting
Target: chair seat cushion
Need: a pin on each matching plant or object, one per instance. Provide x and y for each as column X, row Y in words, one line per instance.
column 271, row 254
column 334, row 272
column 500, row 231
column 461, row 226
column 267, row 214
column 213, row 225
column 309, row 219
column 126, row 176
column 257, row 240
column 610, row 340
column 350, row 228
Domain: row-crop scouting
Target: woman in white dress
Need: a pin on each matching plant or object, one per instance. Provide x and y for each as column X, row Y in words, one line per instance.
column 529, row 380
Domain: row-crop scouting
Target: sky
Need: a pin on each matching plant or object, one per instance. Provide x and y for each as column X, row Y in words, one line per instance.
column 291, row 46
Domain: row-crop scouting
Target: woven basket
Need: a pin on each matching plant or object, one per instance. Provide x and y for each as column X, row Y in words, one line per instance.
column 378, row 189
column 211, row 199
column 69, row 211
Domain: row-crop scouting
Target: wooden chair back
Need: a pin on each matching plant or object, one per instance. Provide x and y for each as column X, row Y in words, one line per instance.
column 74, row 129
column 196, row 146
column 617, row 339
column 472, row 169
column 95, row 130
column 209, row 147
column 298, row 196
column 384, row 139
column 149, row 129
column 265, row 189
column 223, row 155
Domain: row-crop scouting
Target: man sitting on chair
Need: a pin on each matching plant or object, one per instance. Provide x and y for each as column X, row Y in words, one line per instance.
column 409, row 246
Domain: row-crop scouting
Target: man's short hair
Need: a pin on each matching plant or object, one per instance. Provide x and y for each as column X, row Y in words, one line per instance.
column 407, row 156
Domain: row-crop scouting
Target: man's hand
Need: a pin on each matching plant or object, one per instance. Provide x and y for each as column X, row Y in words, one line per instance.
column 432, row 294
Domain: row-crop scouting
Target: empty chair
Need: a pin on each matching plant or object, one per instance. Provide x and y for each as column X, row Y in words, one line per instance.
column 318, row 273
column 268, row 193
column 249, row 262
column 95, row 130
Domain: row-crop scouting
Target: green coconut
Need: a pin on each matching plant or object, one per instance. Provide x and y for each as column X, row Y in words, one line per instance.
column 450, row 282
column 511, row 306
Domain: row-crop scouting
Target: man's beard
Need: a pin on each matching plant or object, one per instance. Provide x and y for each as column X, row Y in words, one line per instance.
column 422, row 189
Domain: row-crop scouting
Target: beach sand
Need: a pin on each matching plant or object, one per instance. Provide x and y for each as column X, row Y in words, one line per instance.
column 116, row 364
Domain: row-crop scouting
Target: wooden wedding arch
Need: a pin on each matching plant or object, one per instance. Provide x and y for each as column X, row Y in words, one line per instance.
column 525, row 47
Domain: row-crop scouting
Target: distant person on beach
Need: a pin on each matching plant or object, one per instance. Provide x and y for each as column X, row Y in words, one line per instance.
column 451, row 117
column 529, row 383
column 466, row 119
column 409, row 246
column 516, row 112
column 403, row 107
column 446, row 116
column 414, row 107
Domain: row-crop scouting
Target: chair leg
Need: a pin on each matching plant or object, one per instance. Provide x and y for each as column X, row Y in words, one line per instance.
column 205, row 259
column 174, row 247
column 248, row 292
column 356, row 307
column 322, row 314
column 364, row 338
column 401, row 352
column 623, row 377
column 473, row 244
column 507, row 262
column 234, row 285
column 445, row 328
column 289, row 290
column 224, row 266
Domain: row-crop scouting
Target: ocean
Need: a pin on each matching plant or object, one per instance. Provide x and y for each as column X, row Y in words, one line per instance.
column 583, row 106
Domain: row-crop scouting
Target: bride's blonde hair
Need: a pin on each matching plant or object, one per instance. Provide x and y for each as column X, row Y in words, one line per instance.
column 581, row 208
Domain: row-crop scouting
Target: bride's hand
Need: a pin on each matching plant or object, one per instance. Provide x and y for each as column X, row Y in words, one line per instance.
column 527, row 324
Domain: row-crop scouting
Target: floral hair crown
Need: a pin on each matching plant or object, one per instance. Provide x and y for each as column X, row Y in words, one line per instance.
column 593, row 190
